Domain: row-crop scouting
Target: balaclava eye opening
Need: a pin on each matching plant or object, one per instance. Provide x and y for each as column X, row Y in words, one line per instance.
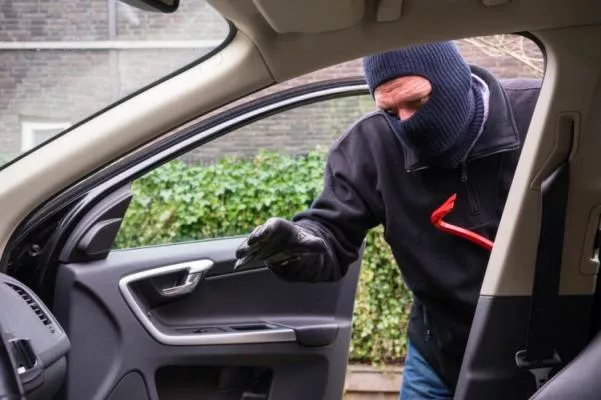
column 443, row 130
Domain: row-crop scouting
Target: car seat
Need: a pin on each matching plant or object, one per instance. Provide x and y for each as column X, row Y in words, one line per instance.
column 580, row 379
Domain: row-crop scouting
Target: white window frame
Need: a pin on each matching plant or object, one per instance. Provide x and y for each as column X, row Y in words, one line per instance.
column 28, row 129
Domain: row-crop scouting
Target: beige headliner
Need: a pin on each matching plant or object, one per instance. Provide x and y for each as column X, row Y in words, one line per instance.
column 245, row 66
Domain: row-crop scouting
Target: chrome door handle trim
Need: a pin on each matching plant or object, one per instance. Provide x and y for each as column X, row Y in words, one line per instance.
column 196, row 271
column 279, row 334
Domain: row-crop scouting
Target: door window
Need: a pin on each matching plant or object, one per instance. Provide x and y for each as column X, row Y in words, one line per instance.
column 62, row 61
column 272, row 167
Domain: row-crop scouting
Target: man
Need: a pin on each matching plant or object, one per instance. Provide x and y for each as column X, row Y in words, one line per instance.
column 443, row 128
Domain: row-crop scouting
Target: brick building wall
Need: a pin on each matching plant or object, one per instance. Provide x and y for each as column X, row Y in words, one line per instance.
column 57, row 86
column 85, row 20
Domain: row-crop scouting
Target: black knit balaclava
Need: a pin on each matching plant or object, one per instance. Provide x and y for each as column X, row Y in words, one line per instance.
column 444, row 129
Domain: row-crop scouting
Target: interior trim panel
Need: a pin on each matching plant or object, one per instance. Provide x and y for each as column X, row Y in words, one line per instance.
column 500, row 330
column 264, row 333
column 109, row 341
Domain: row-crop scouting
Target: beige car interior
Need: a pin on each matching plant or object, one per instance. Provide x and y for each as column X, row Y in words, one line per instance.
column 280, row 39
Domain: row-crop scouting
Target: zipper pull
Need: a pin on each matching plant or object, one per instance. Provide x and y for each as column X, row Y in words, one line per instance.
column 428, row 335
column 463, row 172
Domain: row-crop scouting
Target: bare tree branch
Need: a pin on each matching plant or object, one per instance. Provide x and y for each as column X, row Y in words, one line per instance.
column 499, row 45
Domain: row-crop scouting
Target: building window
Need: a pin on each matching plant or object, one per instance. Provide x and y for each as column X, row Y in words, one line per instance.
column 34, row 133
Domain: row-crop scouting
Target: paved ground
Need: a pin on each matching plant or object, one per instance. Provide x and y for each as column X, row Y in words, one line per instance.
column 368, row 383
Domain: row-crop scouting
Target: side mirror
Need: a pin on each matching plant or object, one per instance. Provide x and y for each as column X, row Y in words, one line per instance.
column 163, row 6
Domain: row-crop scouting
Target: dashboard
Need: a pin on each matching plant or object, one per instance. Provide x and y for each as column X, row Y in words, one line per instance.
column 33, row 347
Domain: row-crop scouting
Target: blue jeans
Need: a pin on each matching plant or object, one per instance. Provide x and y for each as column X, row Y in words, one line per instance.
column 420, row 381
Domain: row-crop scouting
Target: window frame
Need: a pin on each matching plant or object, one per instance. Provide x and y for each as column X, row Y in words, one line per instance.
column 169, row 147
column 180, row 141
column 277, row 108
column 61, row 213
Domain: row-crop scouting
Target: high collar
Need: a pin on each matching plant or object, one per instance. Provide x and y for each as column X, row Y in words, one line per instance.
column 500, row 133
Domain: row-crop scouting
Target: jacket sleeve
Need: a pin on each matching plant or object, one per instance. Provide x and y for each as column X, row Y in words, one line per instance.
column 340, row 215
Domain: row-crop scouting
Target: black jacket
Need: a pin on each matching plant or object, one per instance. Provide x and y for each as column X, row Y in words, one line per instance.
column 370, row 179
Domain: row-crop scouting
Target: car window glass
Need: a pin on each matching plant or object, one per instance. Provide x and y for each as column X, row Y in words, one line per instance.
column 62, row 61
column 270, row 167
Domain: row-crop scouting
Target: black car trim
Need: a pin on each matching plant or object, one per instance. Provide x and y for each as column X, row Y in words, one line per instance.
column 72, row 203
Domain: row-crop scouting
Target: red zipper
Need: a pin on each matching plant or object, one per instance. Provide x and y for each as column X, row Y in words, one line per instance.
column 455, row 230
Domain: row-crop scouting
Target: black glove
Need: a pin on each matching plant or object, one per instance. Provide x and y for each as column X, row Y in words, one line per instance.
column 280, row 243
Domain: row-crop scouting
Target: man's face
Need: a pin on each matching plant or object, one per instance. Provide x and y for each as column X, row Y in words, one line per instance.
column 402, row 97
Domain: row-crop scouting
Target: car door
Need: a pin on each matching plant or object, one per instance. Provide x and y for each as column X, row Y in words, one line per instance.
column 166, row 317
column 539, row 301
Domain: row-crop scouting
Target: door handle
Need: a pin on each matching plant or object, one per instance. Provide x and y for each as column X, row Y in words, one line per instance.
column 195, row 272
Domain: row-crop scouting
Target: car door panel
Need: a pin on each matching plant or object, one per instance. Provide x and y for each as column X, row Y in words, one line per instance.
column 176, row 321
column 295, row 336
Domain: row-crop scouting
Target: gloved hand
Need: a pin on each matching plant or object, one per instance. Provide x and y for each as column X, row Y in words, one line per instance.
column 279, row 243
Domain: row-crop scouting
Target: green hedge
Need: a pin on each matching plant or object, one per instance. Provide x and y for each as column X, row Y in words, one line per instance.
column 182, row 202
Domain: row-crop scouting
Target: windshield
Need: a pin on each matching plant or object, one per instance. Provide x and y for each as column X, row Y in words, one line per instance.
column 62, row 61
